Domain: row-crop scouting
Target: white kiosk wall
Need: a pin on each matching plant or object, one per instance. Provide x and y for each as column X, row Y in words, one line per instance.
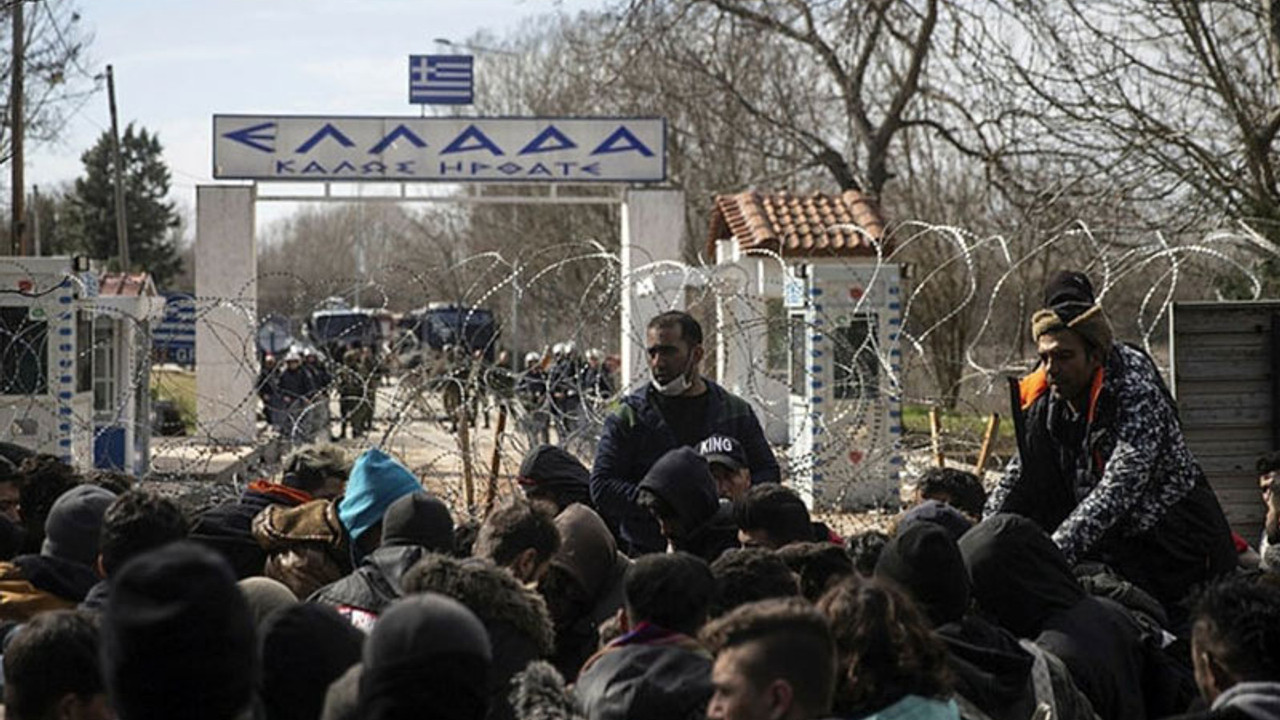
column 846, row 423
column 653, row 232
column 227, row 308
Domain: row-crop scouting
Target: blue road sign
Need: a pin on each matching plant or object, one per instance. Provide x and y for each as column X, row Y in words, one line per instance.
column 173, row 339
column 441, row 80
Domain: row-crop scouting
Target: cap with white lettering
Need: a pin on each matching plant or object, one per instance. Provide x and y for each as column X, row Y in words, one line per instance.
column 723, row 450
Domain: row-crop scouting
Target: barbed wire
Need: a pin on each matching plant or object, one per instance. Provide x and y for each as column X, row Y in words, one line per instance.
column 530, row 353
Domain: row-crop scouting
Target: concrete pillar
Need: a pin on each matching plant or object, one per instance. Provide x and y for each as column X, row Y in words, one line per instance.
column 226, row 314
column 653, row 233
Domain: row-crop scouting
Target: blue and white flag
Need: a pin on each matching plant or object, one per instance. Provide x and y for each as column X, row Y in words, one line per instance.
column 441, row 80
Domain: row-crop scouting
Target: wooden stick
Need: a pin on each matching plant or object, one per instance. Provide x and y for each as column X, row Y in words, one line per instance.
column 993, row 426
column 464, row 444
column 935, row 430
column 491, row 494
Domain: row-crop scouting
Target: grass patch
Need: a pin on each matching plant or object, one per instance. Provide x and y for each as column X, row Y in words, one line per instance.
column 179, row 387
column 915, row 421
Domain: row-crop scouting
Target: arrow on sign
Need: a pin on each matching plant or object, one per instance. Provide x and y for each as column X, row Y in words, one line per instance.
column 255, row 136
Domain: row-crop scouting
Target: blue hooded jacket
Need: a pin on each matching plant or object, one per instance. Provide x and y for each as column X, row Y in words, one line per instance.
column 376, row 481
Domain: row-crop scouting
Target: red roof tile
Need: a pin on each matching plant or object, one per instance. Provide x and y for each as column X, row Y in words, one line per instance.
column 126, row 285
column 846, row 225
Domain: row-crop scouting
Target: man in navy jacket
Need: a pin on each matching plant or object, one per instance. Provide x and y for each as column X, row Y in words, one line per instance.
column 678, row 407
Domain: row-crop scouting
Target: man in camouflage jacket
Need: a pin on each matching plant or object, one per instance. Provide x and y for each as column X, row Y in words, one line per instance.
column 1102, row 465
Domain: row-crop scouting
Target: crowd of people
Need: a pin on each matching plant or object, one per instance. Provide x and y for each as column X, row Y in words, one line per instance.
column 678, row 577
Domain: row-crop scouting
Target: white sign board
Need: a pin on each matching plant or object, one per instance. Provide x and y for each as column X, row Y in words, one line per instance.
column 455, row 149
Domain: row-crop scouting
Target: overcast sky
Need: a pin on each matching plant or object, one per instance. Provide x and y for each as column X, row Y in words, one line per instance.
column 178, row 62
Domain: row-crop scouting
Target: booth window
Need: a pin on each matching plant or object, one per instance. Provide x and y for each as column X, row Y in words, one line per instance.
column 84, row 351
column 857, row 367
column 24, row 352
column 104, row 370
column 799, row 356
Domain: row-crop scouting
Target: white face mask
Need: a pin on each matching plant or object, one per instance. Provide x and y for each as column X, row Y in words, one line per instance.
column 678, row 385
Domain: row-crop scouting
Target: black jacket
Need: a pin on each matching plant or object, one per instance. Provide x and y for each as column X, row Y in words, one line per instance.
column 990, row 668
column 227, row 528
column 375, row 584
column 1022, row 580
column 1146, row 509
column 645, row 682
column 635, row 435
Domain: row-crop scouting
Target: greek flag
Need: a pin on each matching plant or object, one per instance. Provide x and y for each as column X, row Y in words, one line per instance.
column 441, row 80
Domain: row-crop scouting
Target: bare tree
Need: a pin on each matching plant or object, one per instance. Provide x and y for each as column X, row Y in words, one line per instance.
column 57, row 79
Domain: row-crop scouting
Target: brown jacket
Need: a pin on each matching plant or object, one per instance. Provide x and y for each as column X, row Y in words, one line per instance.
column 306, row 545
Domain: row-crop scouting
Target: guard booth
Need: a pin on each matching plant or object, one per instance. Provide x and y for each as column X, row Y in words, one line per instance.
column 124, row 309
column 73, row 352
column 46, row 381
column 808, row 331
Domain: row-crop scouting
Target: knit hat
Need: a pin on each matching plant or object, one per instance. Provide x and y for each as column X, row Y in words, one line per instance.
column 304, row 648
column 1069, row 304
column 426, row 651
column 420, row 519
column 74, row 523
column 938, row 513
column 376, row 481
column 925, row 561
column 265, row 595
column 177, row 637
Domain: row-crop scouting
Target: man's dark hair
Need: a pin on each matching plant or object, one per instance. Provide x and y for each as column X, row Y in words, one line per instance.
column 690, row 330
column 1238, row 622
column 1269, row 463
column 516, row 526
column 672, row 591
column 117, row 482
column 865, row 549
column 749, row 574
column 794, row 643
column 44, row 479
column 819, row 565
column 308, row 467
column 54, row 655
column 776, row 510
column 962, row 490
column 136, row 522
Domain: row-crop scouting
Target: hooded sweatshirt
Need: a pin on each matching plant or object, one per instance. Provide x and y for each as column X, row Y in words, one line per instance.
column 682, row 478
column 1022, row 579
column 1254, row 700
column 589, row 555
column 991, row 670
column 550, row 472
column 376, row 481
column 412, row 527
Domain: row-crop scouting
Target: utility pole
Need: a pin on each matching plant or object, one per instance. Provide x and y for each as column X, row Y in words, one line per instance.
column 35, row 220
column 122, row 232
column 18, row 211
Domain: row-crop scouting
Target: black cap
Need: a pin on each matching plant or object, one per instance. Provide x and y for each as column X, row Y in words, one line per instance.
column 723, row 450
column 420, row 519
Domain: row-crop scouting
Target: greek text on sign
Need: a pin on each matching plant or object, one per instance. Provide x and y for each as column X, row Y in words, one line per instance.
column 455, row 149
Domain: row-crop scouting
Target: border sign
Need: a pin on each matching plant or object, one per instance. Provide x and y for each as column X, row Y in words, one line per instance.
column 452, row 149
